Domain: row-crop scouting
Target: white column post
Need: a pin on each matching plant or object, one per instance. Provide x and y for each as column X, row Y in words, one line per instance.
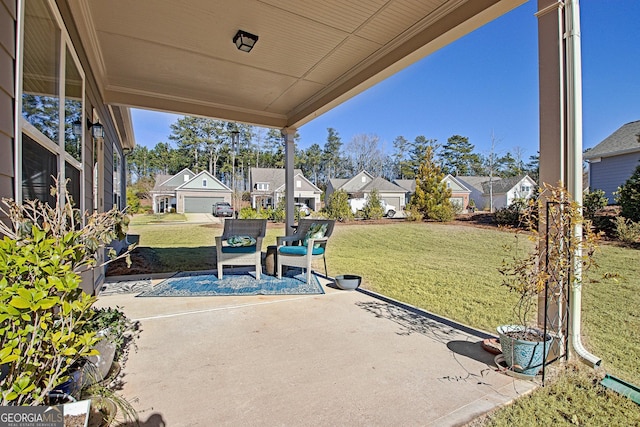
column 289, row 153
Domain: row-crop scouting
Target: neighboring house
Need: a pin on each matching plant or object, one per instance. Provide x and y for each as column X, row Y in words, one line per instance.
column 409, row 187
column 363, row 184
column 187, row 192
column 504, row 190
column 459, row 192
column 613, row 161
column 268, row 188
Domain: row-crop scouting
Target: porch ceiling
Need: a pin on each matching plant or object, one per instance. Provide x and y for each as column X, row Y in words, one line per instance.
column 178, row 55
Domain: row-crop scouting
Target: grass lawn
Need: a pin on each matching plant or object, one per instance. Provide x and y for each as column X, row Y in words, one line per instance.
column 451, row 270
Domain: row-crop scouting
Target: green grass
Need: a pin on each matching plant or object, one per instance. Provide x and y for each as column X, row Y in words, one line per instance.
column 157, row 218
column 453, row 271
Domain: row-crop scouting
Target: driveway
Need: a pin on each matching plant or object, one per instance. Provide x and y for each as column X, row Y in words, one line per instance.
column 342, row 358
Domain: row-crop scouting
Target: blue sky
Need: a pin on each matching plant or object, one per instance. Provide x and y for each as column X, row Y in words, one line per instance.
column 482, row 85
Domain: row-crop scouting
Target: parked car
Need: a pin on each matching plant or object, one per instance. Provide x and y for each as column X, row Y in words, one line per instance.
column 222, row 209
column 358, row 204
column 303, row 209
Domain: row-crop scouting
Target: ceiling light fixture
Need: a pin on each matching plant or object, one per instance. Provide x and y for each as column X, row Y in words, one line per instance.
column 245, row 41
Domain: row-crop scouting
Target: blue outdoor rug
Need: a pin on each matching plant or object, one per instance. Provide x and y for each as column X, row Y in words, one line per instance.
column 199, row 284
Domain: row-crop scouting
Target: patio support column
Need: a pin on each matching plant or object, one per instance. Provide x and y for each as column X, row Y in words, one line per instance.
column 560, row 79
column 552, row 118
column 289, row 154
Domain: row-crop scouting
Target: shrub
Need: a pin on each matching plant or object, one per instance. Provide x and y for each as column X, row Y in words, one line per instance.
column 592, row 201
column 372, row 208
column 443, row 212
column 511, row 215
column 627, row 231
column 338, row 207
column 628, row 197
column 247, row 213
column 414, row 214
column 43, row 311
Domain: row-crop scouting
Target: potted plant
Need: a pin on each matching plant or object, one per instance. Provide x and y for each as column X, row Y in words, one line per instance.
column 555, row 217
column 43, row 310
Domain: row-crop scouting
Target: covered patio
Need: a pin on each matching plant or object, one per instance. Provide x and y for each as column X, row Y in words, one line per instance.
column 342, row 358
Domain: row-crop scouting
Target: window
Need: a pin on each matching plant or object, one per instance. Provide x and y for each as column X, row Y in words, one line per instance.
column 52, row 99
column 298, row 184
column 204, row 182
column 262, row 186
column 525, row 188
column 117, row 174
column 38, row 166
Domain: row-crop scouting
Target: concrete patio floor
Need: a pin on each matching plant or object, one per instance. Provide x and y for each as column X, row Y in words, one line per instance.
column 342, row 358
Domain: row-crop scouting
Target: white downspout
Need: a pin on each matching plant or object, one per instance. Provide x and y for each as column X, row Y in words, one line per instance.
column 574, row 166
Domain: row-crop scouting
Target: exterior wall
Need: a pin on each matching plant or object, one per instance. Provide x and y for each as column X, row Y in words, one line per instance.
column 465, row 199
column 8, row 19
column 611, row 172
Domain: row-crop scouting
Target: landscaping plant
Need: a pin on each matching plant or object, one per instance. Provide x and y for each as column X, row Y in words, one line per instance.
column 554, row 216
column 43, row 311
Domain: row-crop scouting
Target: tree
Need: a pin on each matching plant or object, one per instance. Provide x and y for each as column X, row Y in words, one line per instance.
column 457, row 156
column 338, row 206
column 364, row 153
column 312, row 161
column 184, row 133
column 432, row 195
column 628, row 197
column 400, row 157
column 418, row 149
column 373, row 208
column 331, row 155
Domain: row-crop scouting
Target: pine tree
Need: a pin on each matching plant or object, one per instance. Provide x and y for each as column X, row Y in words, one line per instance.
column 629, row 197
column 432, row 194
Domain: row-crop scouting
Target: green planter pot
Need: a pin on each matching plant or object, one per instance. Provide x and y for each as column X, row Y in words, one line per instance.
column 524, row 357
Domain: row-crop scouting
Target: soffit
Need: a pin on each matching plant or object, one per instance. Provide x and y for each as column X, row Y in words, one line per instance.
column 178, row 55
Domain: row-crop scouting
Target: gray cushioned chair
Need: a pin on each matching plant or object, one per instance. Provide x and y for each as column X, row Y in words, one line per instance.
column 242, row 255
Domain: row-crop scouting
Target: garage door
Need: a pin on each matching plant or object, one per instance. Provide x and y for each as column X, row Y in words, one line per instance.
column 200, row 204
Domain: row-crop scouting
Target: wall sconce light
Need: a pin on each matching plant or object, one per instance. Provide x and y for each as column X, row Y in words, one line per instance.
column 77, row 128
column 97, row 130
column 245, row 41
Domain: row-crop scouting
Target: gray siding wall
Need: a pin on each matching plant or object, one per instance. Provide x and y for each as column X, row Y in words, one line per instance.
column 8, row 19
column 611, row 172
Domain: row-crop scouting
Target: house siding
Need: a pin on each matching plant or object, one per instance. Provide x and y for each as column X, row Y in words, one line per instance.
column 611, row 172
column 8, row 19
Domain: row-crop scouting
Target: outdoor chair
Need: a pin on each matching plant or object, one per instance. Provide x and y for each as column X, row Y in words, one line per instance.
column 241, row 244
column 308, row 242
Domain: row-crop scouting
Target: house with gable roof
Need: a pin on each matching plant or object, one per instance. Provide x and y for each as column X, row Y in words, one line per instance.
column 363, row 183
column 459, row 192
column 268, row 188
column 613, row 161
column 503, row 190
column 187, row 192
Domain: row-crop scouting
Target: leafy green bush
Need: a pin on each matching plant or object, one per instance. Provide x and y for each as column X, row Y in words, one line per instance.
column 628, row 197
column 511, row 215
column 592, row 201
column 118, row 327
column 338, row 207
column 627, row 231
column 373, row 208
column 43, row 310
